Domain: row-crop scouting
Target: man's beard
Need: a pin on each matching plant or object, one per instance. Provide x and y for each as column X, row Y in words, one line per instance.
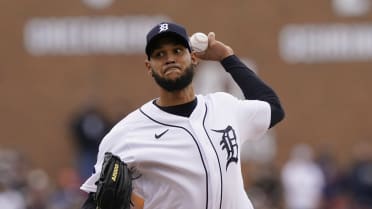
column 174, row 85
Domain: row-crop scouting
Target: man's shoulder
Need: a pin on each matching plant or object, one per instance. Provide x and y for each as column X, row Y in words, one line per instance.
column 119, row 131
column 223, row 99
column 132, row 119
column 218, row 96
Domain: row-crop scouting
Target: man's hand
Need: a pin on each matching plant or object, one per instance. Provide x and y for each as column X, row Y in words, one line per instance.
column 216, row 51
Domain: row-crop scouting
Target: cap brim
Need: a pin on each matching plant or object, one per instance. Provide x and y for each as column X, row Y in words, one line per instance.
column 151, row 45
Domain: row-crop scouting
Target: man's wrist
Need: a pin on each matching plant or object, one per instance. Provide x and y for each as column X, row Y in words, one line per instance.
column 229, row 60
column 228, row 53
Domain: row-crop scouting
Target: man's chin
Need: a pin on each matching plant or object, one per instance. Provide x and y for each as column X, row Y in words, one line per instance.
column 173, row 69
column 174, row 80
column 173, row 75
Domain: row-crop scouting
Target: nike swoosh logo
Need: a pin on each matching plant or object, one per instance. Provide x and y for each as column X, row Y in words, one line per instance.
column 157, row 136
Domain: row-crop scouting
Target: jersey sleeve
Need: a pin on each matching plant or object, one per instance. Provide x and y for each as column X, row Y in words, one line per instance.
column 89, row 184
column 110, row 143
column 252, row 116
column 253, row 87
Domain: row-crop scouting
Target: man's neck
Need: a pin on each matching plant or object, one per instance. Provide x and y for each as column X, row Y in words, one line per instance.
column 176, row 97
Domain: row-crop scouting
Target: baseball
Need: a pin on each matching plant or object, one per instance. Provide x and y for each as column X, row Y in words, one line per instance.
column 199, row 42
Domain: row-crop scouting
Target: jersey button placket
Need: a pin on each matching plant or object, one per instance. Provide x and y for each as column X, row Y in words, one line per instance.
column 210, row 161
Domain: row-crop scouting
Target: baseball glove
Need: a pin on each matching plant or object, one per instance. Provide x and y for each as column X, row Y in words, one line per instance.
column 114, row 187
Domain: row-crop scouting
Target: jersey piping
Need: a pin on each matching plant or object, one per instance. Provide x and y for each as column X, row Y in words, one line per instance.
column 214, row 149
column 201, row 156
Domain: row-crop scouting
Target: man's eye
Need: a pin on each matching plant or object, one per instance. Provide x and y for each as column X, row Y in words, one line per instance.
column 178, row 51
column 159, row 54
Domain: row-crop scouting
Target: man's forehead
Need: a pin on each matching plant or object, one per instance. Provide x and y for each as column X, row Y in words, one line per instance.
column 167, row 40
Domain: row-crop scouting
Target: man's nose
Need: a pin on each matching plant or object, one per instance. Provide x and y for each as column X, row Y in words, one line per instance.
column 171, row 58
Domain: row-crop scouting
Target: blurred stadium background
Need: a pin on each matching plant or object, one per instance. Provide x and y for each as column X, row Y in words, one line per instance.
column 62, row 58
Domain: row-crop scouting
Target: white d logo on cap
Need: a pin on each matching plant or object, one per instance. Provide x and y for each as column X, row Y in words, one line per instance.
column 163, row 27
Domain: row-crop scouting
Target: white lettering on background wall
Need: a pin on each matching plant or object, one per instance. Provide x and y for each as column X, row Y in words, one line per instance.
column 351, row 7
column 326, row 43
column 87, row 35
column 98, row 4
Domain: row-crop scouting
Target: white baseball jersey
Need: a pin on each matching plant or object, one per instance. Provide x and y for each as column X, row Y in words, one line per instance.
column 187, row 162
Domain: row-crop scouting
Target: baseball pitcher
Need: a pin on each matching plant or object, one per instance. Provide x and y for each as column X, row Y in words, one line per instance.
column 182, row 150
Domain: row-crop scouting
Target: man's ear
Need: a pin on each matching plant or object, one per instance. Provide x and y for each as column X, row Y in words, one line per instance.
column 148, row 67
column 194, row 59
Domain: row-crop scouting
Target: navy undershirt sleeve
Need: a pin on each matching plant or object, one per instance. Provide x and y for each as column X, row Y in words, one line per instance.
column 253, row 87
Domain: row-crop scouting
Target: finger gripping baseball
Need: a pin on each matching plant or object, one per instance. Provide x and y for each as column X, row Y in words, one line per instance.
column 114, row 187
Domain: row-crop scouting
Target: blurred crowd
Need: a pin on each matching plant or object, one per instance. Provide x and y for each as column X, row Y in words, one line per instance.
column 305, row 181
column 308, row 179
column 314, row 181
column 25, row 187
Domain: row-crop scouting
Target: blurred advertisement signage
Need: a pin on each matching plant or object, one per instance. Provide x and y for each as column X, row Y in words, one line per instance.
column 351, row 7
column 326, row 43
column 88, row 35
column 333, row 42
column 98, row 4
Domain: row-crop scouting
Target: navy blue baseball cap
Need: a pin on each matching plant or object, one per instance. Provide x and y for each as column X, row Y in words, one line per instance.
column 166, row 29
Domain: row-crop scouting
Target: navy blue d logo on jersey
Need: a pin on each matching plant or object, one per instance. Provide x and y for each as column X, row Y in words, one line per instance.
column 229, row 143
